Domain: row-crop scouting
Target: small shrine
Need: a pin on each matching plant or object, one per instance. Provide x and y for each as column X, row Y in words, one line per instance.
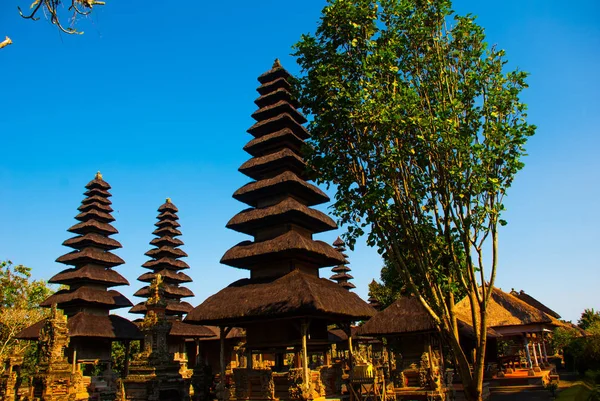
column 341, row 275
column 160, row 371
column 284, row 306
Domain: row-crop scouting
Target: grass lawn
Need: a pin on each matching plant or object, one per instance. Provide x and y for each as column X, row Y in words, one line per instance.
column 578, row 391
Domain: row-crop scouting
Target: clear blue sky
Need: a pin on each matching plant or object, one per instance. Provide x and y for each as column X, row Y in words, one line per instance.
column 158, row 96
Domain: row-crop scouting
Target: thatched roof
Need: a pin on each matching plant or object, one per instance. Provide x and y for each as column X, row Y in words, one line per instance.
column 90, row 255
column 276, row 72
column 166, row 231
column 95, row 205
column 505, row 310
column 166, row 263
column 295, row 294
column 89, row 273
column 173, row 308
column 96, row 214
column 171, row 291
column 235, row 333
column 523, row 296
column 277, row 123
column 272, row 110
column 166, row 251
column 275, row 141
column 272, row 86
column 284, row 183
column 405, row 315
column 186, row 330
column 110, row 299
column 276, row 96
column 92, row 239
column 93, row 226
column 167, row 275
column 82, row 324
column 290, row 245
column 289, row 210
column 257, row 167
column 166, row 240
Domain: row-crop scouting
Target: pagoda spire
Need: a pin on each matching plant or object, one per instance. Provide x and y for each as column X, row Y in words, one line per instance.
column 92, row 260
column 280, row 217
column 372, row 300
column 165, row 265
column 341, row 275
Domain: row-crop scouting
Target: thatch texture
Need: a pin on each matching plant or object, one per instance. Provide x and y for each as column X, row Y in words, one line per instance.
column 110, row 299
column 276, row 96
column 90, row 273
column 96, row 214
column 166, row 231
column 276, row 72
column 95, row 205
column 166, row 263
column 405, row 315
column 168, row 241
column 90, row 255
column 523, row 296
column 96, row 199
column 93, row 226
column 167, row 275
column 290, row 245
column 272, row 110
column 171, row 291
column 235, row 333
column 288, row 210
column 166, row 251
column 94, row 240
column 277, row 123
column 90, row 326
column 173, row 308
column 186, row 330
column 295, row 294
column 272, row 86
column 275, row 141
column 256, row 167
column 284, row 183
column 505, row 310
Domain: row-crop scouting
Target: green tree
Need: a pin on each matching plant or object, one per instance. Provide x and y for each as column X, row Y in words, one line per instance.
column 19, row 308
column 588, row 318
column 118, row 352
column 422, row 132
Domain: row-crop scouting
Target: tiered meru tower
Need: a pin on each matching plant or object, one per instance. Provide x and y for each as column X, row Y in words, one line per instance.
column 87, row 301
column 341, row 275
column 166, row 263
column 284, row 300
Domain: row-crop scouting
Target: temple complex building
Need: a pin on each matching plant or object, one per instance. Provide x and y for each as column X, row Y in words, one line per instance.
column 160, row 371
column 341, row 275
column 87, row 298
column 284, row 305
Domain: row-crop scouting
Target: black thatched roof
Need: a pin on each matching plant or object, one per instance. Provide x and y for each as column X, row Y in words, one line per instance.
column 91, row 326
column 186, row 330
column 295, row 294
column 523, row 296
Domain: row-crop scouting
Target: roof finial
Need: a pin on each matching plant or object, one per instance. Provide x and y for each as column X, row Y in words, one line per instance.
column 98, row 175
column 168, row 200
column 276, row 64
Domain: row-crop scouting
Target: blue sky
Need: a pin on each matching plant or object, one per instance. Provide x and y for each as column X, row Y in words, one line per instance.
column 158, row 98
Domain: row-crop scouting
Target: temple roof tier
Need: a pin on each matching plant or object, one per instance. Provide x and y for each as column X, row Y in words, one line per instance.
column 166, row 263
column 166, row 241
column 277, row 71
column 95, row 206
column 167, row 215
column 282, row 139
column 167, row 275
column 166, row 251
column 94, row 240
column 175, row 308
column 89, row 273
column 341, row 268
column 272, row 86
column 295, row 294
column 290, row 245
column 170, row 291
column 272, row 164
column 93, row 213
column 168, row 206
column 347, row 285
column 167, row 223
column 166, row 231
column 278, row 95
column 97, row 192
column 87, row 325
column 90, row 256
column 281, row 107
column 96, row 199
column 185, row 330
column 341, row 276
column 279, row 122
column 110, row 299
column 289, row 210
column 286, row 183
column 93, row 226
column 98, row 182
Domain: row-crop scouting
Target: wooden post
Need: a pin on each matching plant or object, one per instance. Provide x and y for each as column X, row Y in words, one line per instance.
column 197, row 357
column 350, row 350
column 305, row 373
column 74, row 369
column 223, row 331
column 127, row 352
column 530, row 365
column 543, row 362
column 535, row 358
column 544, row 347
